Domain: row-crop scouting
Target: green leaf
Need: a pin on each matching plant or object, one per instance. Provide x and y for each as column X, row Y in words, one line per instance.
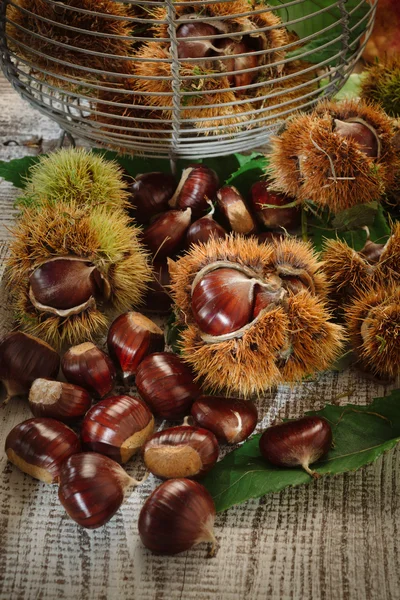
column 172, row 333
column 322, row 228
column 361, row 434
column 355, row 216
column 249, row 173
column 17, row 170
column 351, row 88
column 308, row 23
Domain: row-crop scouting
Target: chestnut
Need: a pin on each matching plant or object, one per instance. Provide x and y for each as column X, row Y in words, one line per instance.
column 24, row 358
column 261, row 195
column 297, row 443
column 117, row 427
column 182, row 451
column 204, row 229
column 237, row 65
column 39, row 447
column 179, row 514
column 197, row 186
column 167, row 385
column 222, row 300
column 166, row 233
column 58, row 400
column 359, row 130
column 92, row 487
column 232, row 420
column 65, row 285
column 149, row 195
column 195, row 48
column 88, row 366
column 233, row 207
column 131, row 337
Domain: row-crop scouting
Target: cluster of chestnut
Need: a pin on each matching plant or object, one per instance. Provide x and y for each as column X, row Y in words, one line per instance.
column 92, row 483
column 177, row 215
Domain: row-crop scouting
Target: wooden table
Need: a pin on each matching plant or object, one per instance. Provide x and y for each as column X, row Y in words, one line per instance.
column 336, row 538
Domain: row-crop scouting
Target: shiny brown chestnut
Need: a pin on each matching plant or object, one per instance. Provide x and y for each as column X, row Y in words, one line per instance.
column 297, row 443
column 204, row 229
column 182, row 451
column 361, row 132
column 24, row 358
column 167, row 385
column 195, row 48
column 179, row 514
column 222, row 301
column 117, row 427
column 165, row 235
column 89, row 367
column 92, row 488
column 230, row 419
column 237, row 65
column 66, row 285
column 131, row 337
column 58, row 400
column 149, row 195
column 233, row 207
column 197, row 186
column 261, row 196
column 39, row 447
column 157, row 298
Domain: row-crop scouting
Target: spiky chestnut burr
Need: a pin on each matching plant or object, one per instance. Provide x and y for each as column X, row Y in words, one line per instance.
column 338, row 156
column 75, row 176
column 196, row 90
column 108, row 241
column 350, row 272
column 380, row 83
column 32, row 32
column 373, row 322
column 281, row 341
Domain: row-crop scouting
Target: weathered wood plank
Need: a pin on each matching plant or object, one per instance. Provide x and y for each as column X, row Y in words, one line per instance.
column 336, row 539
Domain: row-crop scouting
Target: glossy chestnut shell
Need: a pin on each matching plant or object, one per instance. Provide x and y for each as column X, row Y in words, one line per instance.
column 117, row 427
column 39, row 447
column 230, row 419
column 89, row 367
column 91, row 488
column 179, row 514
column 167, row 385
column 131, row 337
column 181, row 452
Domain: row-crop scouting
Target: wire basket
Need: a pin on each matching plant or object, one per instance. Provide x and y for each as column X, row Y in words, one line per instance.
column 179, row 79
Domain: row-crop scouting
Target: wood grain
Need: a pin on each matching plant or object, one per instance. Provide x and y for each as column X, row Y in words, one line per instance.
column 335, row 539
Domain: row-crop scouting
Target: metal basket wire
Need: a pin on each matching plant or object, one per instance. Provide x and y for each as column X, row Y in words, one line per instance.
column 77, row 66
